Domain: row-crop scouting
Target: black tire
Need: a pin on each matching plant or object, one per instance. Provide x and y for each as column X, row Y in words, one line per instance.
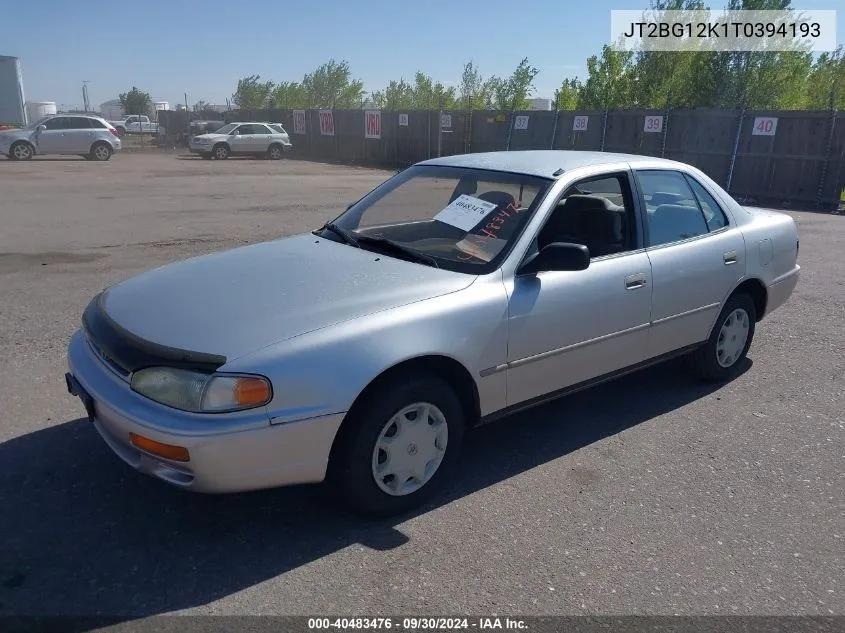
column 221, row 151
column 206, row 156
column 351, row 465
column 275, row 152
column 101, row 152
column 705, row 361
column 21, row 150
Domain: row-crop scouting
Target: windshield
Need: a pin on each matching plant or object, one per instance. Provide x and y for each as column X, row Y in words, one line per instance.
column 466, row 219
column 227, row 128
column 35, row 124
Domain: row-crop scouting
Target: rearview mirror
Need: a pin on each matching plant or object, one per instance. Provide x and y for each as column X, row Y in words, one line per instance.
column 558, row 256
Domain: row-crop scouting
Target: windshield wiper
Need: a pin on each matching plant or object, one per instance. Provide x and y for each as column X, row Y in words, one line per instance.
column 397, row 247
column 344, row 235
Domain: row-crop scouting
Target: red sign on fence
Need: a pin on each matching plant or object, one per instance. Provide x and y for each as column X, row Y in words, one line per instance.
column 372, row 124
column 326, row 122
column 299, row 121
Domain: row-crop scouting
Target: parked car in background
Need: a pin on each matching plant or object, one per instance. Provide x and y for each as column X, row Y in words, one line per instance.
column 88, row 136
column 133, row 124
column 460, row 290
column 242, row 139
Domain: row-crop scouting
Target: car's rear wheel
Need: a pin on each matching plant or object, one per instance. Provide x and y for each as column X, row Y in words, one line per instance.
column 396, row 449
column 275, row 152
column 101, row 152
column 221, row 151
column 21, row 151
column 723, row 355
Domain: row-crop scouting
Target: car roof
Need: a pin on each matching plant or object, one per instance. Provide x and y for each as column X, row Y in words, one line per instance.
column 87, row 116
column 544, row 163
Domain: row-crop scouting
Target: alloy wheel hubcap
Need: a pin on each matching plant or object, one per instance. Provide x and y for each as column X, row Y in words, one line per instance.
column 410, row 449
column 101, row 152
column 221, row 152
column 275, row 152
column 21, row 151
column 732, row 338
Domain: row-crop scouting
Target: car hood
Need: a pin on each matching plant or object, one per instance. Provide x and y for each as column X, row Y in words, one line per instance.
column 212, row 136
column 234, row 302
column 9, row 135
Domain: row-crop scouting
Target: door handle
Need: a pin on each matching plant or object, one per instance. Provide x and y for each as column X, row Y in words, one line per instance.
column 730, row 258
column 632, row 282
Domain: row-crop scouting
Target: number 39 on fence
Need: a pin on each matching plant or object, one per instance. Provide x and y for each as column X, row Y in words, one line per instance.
column 653, row 123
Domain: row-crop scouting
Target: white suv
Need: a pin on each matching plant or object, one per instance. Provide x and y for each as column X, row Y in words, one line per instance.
column 258, row 139
column 88, row 136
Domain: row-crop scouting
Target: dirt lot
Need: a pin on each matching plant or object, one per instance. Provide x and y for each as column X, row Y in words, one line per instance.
column 652, row 494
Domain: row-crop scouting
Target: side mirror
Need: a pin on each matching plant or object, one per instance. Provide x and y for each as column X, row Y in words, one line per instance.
column 40, row 128
column 558, row 256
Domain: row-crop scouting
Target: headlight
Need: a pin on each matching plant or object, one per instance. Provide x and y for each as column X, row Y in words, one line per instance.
column 201, row 393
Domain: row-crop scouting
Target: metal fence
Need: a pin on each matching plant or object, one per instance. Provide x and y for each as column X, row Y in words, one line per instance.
column 777, row 158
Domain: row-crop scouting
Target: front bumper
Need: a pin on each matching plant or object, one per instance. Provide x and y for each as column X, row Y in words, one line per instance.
column 228, row 452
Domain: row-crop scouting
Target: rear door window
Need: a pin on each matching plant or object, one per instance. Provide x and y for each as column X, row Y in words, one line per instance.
column 713, row 214
column 672, row 209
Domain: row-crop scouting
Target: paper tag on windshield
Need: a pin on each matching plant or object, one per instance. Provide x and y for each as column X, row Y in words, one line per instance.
column 465, row 212
column 483, row 249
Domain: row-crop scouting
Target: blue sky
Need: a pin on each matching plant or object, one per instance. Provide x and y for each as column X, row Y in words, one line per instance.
column 203, row 47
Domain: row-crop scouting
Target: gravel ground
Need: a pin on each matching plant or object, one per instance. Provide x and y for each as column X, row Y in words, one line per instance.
column 649, row 495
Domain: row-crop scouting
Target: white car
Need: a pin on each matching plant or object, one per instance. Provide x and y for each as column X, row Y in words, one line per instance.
column 257, row 139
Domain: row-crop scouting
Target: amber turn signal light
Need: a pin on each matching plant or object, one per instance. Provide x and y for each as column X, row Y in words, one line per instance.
column 167, row 451
column 251, row 392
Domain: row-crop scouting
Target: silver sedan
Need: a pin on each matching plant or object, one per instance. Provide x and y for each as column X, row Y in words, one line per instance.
column 458, row 291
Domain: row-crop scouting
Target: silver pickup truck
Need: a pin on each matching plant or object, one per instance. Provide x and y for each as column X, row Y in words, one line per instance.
column 131, row 124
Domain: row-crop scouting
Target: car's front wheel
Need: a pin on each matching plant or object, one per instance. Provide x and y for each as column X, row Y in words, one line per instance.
column 397, row 448
column 722, row 356
column 221, row 151
column 21, row 151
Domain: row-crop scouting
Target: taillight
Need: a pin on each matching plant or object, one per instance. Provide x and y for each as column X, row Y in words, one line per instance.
column 113, row 131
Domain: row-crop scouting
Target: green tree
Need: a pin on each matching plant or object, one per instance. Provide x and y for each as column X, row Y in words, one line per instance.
column 331, row 86
column 511, row 93
column 252, row 93
column 430, row 94
column 289, row 95
column 827, row 77
column 399, row 95
column 764, row 79
column 136, row 102
column 475, row 92
column 568, row 95
column 610, row 81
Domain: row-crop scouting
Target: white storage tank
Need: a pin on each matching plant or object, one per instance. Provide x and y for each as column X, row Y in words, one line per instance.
column 111, row 110
column 161, row 105
column 36, row 110
column 539, row 104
